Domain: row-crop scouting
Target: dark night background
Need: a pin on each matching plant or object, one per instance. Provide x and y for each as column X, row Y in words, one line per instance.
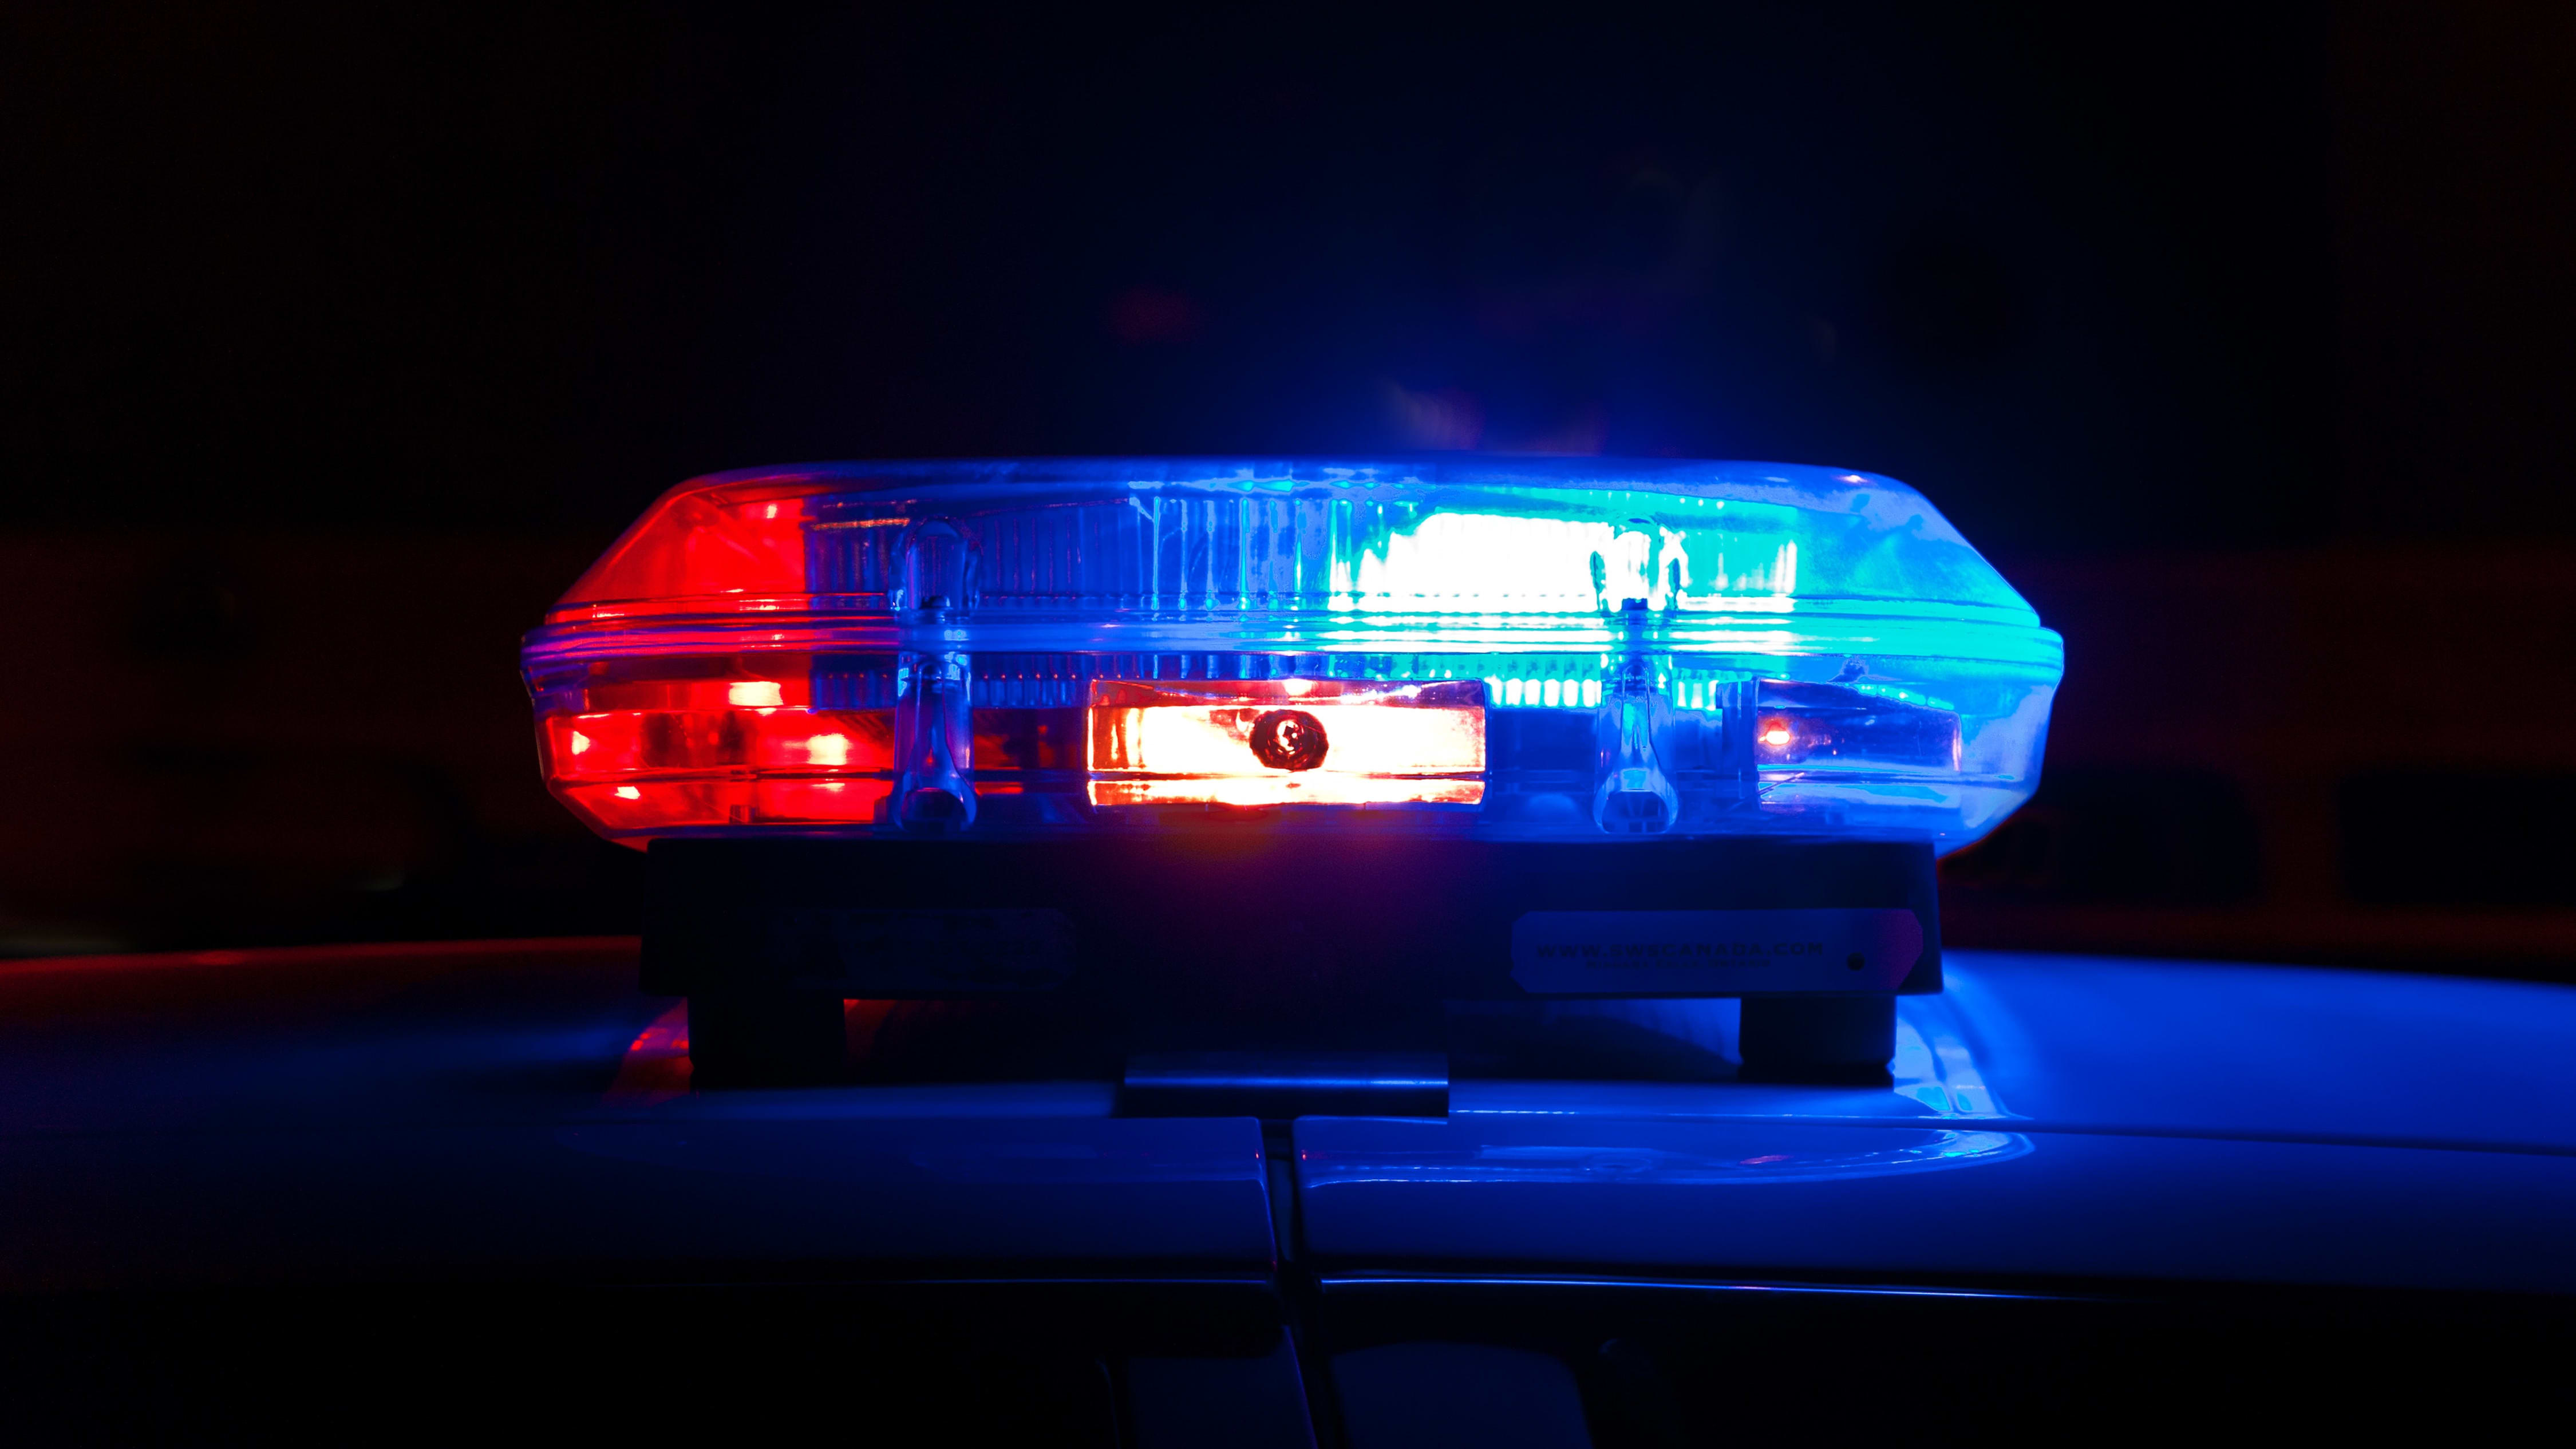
column 337, row 341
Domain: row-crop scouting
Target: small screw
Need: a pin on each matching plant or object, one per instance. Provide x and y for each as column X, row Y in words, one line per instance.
column 1854, row 961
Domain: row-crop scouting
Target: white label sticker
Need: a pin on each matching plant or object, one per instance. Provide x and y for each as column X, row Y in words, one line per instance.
column 1713, row 953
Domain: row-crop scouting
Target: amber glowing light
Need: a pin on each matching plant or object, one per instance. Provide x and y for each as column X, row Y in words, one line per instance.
column 1383, row 744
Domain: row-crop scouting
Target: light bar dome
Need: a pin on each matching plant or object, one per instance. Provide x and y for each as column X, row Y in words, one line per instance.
column 1513, row 648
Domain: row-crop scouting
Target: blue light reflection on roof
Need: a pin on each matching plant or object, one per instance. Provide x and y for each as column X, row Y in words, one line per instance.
column 1360, row 1282
column 1935, row 1078
column 1772, row 1154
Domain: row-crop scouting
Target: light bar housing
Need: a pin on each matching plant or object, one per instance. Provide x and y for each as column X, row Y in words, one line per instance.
column 1498, row 648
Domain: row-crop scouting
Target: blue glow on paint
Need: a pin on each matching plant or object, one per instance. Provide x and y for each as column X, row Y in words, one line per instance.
column 1346, row 1283
column 1770, row 1154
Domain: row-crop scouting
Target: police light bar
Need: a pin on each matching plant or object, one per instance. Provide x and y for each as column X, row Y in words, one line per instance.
column 1505, row 649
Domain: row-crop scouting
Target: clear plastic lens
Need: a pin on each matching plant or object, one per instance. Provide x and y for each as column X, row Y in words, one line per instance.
column 1519, row 650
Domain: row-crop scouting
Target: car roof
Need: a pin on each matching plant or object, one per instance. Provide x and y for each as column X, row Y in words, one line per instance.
column 268, row 1115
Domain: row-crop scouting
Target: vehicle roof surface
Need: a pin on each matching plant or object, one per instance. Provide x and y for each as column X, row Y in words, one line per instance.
column 517, row 1107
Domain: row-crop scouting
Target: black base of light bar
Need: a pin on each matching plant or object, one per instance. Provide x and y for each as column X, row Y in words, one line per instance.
column 1080, row 956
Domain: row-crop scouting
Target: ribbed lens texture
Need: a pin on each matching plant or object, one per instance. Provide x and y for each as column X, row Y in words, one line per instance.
column 1564, row 649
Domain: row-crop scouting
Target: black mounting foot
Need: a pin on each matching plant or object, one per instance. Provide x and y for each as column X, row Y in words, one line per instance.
column 1817, row 1039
